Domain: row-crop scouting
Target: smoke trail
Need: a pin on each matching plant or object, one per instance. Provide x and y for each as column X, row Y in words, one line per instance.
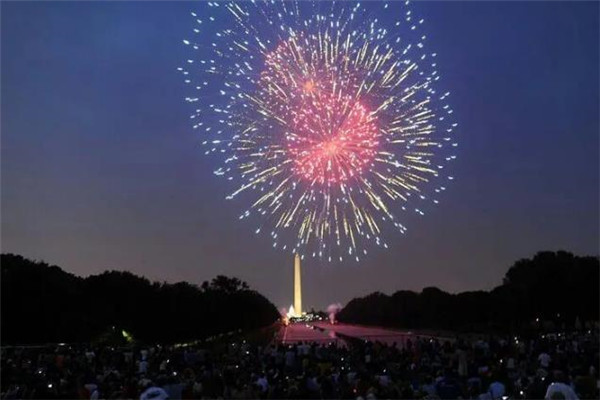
column 333, row 309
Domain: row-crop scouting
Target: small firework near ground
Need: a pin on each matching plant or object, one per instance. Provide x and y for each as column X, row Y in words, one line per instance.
column 329, row 117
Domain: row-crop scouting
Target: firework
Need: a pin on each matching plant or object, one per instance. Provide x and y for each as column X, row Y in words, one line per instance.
column 328, row 117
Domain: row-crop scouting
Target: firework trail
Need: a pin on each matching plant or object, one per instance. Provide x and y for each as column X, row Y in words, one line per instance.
column 327, row 114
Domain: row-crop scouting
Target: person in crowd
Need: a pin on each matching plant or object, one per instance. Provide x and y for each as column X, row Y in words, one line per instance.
column 560, row 389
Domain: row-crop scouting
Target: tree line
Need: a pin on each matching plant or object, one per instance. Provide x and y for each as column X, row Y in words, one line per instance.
column 43, row 304
column 556, row 288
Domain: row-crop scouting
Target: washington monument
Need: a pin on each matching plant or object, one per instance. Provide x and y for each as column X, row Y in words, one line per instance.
column 297, row 286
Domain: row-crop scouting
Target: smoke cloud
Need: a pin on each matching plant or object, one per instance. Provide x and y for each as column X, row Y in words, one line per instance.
column 333, row 309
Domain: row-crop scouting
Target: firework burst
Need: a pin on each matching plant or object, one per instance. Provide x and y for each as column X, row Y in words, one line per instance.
column 328, row 116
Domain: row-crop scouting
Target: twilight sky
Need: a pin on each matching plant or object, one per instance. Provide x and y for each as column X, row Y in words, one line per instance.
column 102, row 170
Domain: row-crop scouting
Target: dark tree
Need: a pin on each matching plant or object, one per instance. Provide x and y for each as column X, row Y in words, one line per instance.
column 552, row 286
column 42, row 303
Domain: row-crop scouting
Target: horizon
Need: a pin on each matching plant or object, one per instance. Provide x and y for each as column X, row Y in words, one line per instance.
column 317, row 308
column 102, row 170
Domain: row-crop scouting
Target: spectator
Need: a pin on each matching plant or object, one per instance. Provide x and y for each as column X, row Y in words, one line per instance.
column 544, row 359
column 559, row 389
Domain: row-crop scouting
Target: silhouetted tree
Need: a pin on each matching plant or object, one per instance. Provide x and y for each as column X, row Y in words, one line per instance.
column 554, row 286
column 225, row 284
column 42, row 303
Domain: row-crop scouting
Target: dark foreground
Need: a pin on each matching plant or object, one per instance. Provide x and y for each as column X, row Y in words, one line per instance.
column 562, row 365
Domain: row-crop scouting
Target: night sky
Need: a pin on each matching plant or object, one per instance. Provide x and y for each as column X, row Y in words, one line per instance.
column 102, row 170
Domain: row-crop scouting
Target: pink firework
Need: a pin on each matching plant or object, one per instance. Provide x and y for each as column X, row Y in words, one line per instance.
column 331, row 119
column 333, row 138
column 332, row 135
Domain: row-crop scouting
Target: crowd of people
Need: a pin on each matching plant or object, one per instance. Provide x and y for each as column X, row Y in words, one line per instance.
column 552, row 366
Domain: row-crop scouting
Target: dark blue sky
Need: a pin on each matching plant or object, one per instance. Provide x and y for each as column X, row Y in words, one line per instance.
column 101, row 169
